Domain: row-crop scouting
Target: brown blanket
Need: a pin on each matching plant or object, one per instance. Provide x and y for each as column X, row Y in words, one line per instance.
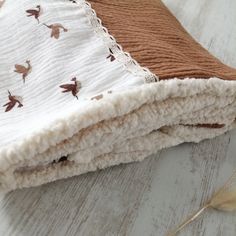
column 156, row 39
column 73, row 101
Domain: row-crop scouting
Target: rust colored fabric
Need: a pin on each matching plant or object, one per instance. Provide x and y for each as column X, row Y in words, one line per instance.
column 155, row 38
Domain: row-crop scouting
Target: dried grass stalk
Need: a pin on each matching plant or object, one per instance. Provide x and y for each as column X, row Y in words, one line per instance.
column 223, row 200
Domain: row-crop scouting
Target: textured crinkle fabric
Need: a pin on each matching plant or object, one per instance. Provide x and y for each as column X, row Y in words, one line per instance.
column 157, row 40
column 72, row 101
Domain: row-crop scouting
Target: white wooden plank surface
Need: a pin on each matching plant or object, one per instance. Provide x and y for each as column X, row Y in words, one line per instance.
column 147, row 198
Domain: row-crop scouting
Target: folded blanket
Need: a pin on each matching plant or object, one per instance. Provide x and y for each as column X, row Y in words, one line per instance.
column 72, row 100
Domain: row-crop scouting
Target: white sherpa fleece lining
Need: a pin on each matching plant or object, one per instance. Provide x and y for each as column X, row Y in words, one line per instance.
column 132, row 120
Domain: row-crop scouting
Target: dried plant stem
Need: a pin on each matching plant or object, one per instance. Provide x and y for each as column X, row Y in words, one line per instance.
column 224, row 199
column 189, row 220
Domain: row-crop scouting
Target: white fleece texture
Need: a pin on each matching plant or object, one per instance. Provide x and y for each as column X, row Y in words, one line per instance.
column 132, row 120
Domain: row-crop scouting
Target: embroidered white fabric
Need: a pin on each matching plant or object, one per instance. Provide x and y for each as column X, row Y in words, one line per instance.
column 132, row 120
column 79, row 53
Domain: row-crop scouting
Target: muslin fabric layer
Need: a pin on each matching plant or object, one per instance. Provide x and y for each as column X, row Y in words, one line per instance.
column 72, row 101
column 155, row 38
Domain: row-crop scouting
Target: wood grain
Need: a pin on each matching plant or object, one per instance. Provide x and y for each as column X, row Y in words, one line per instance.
column 144, row 198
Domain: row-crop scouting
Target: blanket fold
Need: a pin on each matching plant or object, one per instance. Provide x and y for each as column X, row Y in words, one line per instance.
column 73, row 99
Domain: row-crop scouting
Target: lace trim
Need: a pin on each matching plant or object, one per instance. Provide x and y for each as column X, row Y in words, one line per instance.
column 116, row 49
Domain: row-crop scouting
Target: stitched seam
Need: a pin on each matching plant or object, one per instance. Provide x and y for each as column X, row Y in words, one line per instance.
column 116, row 49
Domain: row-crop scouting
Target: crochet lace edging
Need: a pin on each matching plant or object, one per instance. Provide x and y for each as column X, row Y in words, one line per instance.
column 115, row 49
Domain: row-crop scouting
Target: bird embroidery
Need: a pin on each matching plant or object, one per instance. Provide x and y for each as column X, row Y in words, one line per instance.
column 13, row 100
column 23, row 70
column 56, row 30
column 73, row 88
column 98, row 97
column 1, row 2
column 111, row 56
column 35, row 13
